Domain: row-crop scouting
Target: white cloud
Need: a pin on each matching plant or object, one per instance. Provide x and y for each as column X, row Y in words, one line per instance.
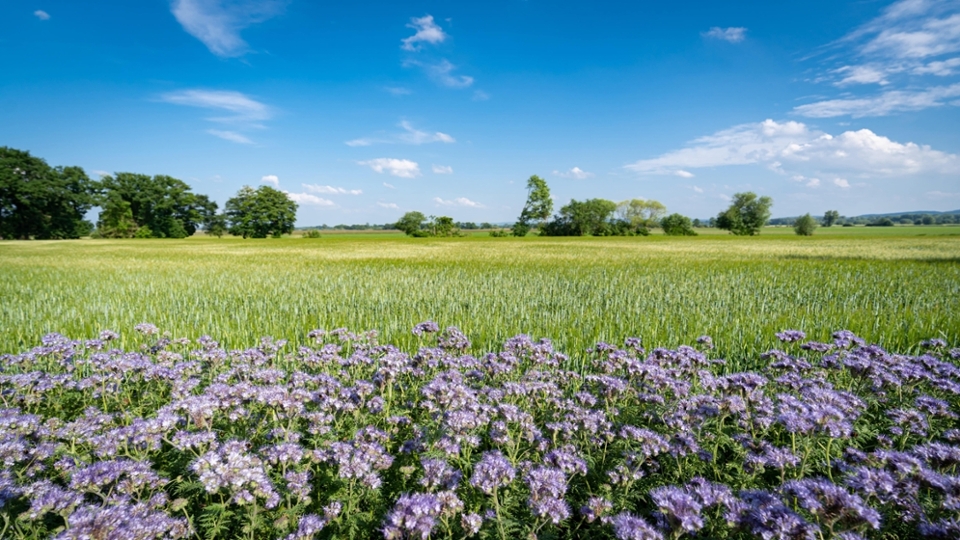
column 683, row 174
column 861, row 75
column 459, row 201
column 939, row 68
column 841, row 182
column 243, row 107
column 360, row 142
column 796, row 146
column 389, row 186
column 306, row 198
column 390, row 205
column 886, row 103
column 231, row 136
column 316, row 188
column 217, row 23
column 813, row 182
column 733, row 34
column 442, row 73
column 42, row 15
column 480, row 95
column 427, row 31
column 698, row 189
column 402, row 168
column 575, row 172
column 442, row 169
column 271, row 179
column 942, row 195
column 410, row 135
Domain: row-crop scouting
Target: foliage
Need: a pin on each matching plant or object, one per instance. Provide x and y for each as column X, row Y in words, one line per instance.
column 500, row 233
column 746, row 215
column 215, row 225
column 830, row 218
column 340, row 435
column 881, row 222
column 261, row 212
column 411, row 222
column 537, row 209
column 161, row 205
column 312, row 233
column 443, row 226
column 579, row 218
column 39, row 201
column 641, row 213
column 677, row 225
column 805, row 225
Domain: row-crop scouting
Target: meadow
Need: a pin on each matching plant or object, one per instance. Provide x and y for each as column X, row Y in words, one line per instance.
column 631, row 388
column 893, row 286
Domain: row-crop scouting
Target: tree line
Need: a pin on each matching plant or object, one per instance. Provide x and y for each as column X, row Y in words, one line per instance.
column 42, row 202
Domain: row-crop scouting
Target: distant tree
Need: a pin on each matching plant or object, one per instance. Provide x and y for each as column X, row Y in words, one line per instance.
column 805, row 225
column 116, row 218
column 261, row 212
column 410, row 223
column 580, row 218
column 830, row 218
column 927, row 220
column 881, row 222
column 746, row 215
column 442, row 226
column 697, row 223
column 42, row 202
column 162, row 205
column 677, row 225
column 641, row 213
column 537, row 209
column 216, row 225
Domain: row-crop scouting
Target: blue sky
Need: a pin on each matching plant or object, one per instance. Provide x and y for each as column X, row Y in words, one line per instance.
column 364, row 110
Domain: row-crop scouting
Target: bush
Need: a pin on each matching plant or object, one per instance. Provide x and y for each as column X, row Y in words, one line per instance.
column 500, row 233
column 677, row 225
column 805, row 225
column 312, row 233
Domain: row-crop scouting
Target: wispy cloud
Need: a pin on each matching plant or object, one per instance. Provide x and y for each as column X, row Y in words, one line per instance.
column 315, row 188
column 398, row 90
column 798, row 148
column 271, row 179
column 308, row 199
column 217, row 23
column 42, row 15
column 390, row 205
column 683, row 174
column 243, row 107
column 403, row 168
column 459, row 201
column 575, row 172
column 942, row 194
column 733, row 34
column 231, row 136
column 409, row 135
column 480, row 95
column 889, row 102
column 442, row 169
column 442, row 73
column 427, row 31
column 389, row 185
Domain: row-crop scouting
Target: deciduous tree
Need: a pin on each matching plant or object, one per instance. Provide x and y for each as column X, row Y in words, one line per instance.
column 746, row 215
column 538, row 207
column 261, row 212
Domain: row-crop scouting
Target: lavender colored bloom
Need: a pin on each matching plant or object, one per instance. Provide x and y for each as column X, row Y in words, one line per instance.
column 438, row 474
column 705, row 341
column 627, row 526
column 678, row 509
column 567, row 460
column 492, row 471
column 109, row 335
column 48, row 497
column 765, row 515
column 425, row 327
column 708, row 493
column 452, row 339
column 790, row 336
column 146, row 329
column 413, row 516
column 471, row 523
column 935, row 343
column 231, row 467
column 298, row 483
column 596, row 508
column 127, row 521
column 360, row 459
column 332, row 510
column 308, row 527
column 547, row 487
column 831, row 503
column 125, row 476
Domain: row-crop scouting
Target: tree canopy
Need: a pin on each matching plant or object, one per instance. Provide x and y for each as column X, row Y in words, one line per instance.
column 805, row 225
column 538, row 207
column 677, row 225
column 641, row 213
column 830, row 218
column 579, row 218
column 158, row 206
column 746, row 215
column 42, row 202
column 261, row 212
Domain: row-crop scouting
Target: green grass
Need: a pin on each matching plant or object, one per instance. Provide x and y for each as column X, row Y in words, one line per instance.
column 894, row 286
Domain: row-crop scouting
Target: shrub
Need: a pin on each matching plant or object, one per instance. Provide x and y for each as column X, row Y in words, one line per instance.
column 677, row 225
column 805, row 225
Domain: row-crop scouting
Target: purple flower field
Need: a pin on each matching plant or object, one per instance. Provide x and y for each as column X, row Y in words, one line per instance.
column 351, row 438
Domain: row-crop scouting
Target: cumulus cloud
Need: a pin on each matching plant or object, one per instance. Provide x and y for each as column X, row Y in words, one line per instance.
column 390, row 205
column 797, row 147
column 42, row 15
column 683, row 174
column 884, row 104
column 218, row 23
column 459, row 201
column 427, row 31
column 316, row 188
column 403, row 168
column 271, row 179
column 575, row 172
column 733, row 34
column 231, row 136
column 841, row 183
column 308, row 199
column 442, row 169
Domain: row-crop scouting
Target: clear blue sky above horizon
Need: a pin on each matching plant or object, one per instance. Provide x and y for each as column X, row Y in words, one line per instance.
column 364, row 110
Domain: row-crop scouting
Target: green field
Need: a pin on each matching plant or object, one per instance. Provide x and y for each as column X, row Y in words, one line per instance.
column 894, row 286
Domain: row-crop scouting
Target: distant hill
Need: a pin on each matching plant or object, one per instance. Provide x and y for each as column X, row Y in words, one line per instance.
column 916, row 212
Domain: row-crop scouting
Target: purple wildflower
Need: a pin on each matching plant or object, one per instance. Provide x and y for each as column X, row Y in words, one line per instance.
column 492, row 471
column 413, row 516
column 596, row 508
column 308, row 527
column 438, row 474
column 627, row 526
column 547, row 488
column 425, row 327
column 790, row 336
column 678, row 509
column 831, row 503
column 471, row 523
